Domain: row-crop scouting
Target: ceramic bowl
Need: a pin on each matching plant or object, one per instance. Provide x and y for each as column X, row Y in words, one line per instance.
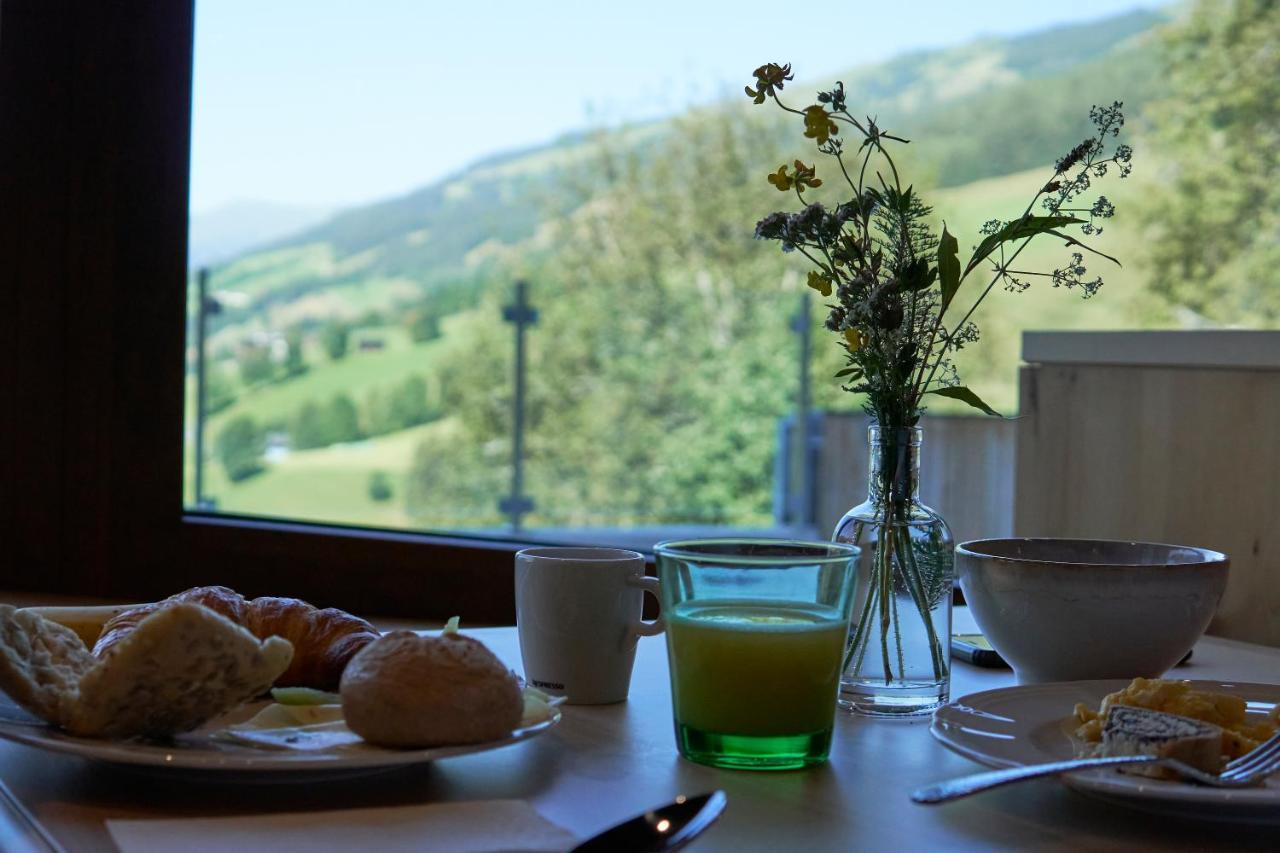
column 1071, row 609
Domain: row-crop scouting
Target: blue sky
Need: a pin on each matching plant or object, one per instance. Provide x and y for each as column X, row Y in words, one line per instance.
column 334, row 103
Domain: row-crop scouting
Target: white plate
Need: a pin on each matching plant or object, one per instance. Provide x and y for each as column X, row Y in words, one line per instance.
column 1034, row 724
column 197, row 753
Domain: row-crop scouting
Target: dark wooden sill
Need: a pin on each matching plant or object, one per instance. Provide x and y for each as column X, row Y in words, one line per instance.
column 396, row 573
column 362, row 570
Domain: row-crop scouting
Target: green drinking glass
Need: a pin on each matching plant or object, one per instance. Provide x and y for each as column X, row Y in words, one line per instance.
column 756, row 635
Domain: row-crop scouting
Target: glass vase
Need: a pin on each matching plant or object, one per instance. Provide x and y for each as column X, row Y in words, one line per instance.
column 898, row 661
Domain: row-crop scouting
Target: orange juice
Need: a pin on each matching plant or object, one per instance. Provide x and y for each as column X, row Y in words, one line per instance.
column 761, row 676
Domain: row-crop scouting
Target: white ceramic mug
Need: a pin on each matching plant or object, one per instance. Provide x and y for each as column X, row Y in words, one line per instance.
column 579, row 616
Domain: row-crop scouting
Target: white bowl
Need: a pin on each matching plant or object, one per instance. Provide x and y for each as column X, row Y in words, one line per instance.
column 1071, row 609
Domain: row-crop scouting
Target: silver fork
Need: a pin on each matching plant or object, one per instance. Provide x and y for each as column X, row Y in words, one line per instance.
column 1249, row 769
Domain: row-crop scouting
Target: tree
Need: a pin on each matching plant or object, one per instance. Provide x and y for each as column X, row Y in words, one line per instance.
column 342, row 421
column 1215, row 218
column 423, row 325
column 294, row 362
column 239, row 447
column 335, row 337
column 219, row 392
column 322, row 424
column 256, row 365
column 661, row 361
column 377, row 407
column 409, row 405
column 399, row 407
column 307, row 428
column 380, row 487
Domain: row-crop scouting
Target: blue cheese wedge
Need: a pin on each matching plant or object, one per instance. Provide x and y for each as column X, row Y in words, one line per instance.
column 1140, row 731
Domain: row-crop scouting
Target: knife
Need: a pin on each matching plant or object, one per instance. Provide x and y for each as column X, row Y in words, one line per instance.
column 668, row 827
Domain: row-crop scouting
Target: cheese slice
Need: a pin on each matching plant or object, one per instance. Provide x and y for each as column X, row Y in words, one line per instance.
column 1140, row 731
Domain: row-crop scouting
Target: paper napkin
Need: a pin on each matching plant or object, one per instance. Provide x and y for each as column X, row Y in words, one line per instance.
column 484, row 826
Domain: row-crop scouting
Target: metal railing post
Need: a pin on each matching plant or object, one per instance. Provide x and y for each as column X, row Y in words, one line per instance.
column 202, row 287
column 207, row 306
column 521, row 315
column 802, row 505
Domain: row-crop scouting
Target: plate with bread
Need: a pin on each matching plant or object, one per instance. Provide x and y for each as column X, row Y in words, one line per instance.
column 211, row 682
column 1203, row 723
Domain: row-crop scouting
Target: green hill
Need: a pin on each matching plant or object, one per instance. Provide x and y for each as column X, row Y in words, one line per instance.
column 990, row 107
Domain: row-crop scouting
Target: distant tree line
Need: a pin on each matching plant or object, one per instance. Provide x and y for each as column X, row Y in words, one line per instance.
column 321, row 423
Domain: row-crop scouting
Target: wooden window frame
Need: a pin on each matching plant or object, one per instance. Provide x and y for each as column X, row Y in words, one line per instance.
column 95, row 107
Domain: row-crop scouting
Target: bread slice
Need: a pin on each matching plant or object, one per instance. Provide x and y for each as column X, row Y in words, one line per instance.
column 41, row 664
column 180, row 667
column 1141, row 731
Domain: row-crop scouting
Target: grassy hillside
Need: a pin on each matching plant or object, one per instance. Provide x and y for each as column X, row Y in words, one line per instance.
column 329, row 484
column 355, row 373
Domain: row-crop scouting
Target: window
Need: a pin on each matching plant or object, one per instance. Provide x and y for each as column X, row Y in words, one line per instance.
column 446, row 296
column 93, row 233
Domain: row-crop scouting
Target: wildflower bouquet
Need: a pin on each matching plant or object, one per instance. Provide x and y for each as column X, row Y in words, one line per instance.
column 895, row 287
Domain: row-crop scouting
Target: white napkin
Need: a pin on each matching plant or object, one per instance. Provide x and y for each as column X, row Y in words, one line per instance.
column 485, row 826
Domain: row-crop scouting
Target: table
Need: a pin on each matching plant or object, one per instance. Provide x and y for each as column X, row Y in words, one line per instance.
column 606, row 763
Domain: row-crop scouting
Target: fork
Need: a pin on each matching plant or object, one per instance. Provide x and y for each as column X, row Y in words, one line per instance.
column 1249, row 769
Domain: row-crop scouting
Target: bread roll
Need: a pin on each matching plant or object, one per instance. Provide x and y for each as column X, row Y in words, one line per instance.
column 180, row 666
column 410, row 691
column 323, row 640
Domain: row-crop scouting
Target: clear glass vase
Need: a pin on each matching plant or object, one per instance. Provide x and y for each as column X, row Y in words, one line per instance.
column 898, row 661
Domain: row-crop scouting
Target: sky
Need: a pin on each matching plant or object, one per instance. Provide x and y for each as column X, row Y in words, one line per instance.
column 329, row 103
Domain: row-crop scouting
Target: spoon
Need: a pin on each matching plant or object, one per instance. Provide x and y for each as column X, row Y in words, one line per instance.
column 668, row 827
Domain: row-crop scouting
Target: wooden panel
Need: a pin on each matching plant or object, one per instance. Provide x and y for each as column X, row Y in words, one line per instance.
column 966, row 472
column 96, row 100
column 1180, row 455
column 1218, row 348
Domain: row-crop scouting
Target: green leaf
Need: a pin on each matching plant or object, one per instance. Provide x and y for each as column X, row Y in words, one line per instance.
column 918, row 275
column 948, row 267
column 899, row 202
column 1017, row 230
column 1072, row 241
column 964, row 395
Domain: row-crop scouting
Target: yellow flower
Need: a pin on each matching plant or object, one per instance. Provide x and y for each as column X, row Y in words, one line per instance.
column 818, row 124
column 854, row 338
column 820, row 282
column 806, row 175
column 781, row 179
column 769, row 77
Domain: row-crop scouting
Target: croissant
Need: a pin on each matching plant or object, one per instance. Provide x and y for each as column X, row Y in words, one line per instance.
column 323, row 640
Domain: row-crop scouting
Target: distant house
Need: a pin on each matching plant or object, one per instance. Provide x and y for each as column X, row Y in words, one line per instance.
column 371, row 344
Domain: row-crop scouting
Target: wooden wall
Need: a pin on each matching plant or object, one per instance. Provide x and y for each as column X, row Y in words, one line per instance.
column 966, row 472
column 1167, row 453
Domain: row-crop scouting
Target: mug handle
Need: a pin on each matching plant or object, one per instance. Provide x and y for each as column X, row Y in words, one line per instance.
column 642, row 628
